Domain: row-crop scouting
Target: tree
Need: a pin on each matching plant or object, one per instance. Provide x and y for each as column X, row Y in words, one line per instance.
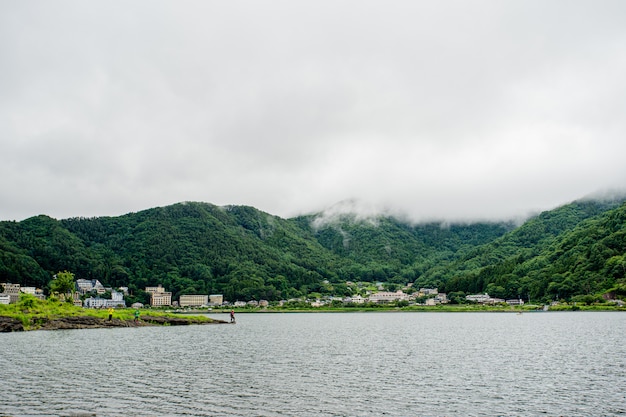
column 63, row 283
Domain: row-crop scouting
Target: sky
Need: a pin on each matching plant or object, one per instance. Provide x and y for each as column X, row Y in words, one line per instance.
column 452, row 110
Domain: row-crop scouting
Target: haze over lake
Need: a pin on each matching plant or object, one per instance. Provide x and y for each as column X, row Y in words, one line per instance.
column 339, row 364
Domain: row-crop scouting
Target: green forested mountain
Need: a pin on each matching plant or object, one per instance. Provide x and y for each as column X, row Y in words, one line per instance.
column 537, row 259
column 244, row 253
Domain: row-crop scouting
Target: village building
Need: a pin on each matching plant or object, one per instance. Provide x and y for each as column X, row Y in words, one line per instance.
column 85, row 286
column 193, row 300
column 12, row 291
column 216, row 299
column 387, row 296
column 117, row 300
column 478, row 298
column 355, row 299
column 159, row 297
column 484, row 299
column 427, row 291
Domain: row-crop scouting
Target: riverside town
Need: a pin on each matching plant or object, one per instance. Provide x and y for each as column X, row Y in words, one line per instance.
column 93, row 294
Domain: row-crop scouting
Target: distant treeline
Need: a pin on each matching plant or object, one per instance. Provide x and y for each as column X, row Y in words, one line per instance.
column 197, row 248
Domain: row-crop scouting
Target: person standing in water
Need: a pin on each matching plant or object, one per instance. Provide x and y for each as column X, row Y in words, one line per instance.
column 232, row 316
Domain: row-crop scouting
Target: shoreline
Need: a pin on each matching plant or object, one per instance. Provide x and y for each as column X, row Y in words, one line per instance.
column 11, row 324
column 446, row 309
column 36, row 321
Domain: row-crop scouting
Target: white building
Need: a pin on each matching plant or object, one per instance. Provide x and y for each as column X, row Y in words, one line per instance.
column 193, row 300
column 95, row 302
column 85, row 286
column 387, row 296
column 356, row 299
column 11, row 290
column 28, row 290
column 216, row 299
column 117, row 300
column 478, row 298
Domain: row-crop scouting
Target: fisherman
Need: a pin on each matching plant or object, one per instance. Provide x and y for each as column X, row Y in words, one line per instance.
column 110, row 313
column 232, row 316
column 137, row 315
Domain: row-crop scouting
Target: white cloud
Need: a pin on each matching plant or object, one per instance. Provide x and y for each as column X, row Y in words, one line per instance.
column 455, row 110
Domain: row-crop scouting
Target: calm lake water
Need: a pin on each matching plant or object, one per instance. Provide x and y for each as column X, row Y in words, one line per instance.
column 332, row 364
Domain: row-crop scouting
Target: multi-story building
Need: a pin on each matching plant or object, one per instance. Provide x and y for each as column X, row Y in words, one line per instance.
column 159, row 297
column 478, row 298
column 193, row 300
column 85, row 286
column 37, row 292
column 356, row 299
column 156, row 289
column 387, row 296
column 216, row 299
column 117, row 300
column 12, row 290
column 427, row 291
column 5, row 298
column 28, row 290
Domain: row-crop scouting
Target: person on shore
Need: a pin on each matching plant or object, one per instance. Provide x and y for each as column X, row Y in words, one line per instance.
column 232, row 316
column 110, row 313
column 137, row 315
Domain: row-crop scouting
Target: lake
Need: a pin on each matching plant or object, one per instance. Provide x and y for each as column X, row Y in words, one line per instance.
column 331, row 364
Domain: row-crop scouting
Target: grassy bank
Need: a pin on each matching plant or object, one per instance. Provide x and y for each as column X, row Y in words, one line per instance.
column 32, row 313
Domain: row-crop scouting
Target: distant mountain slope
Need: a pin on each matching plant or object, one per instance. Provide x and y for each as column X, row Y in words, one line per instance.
column 397, row 250
column 521, row 263
column 246, row 254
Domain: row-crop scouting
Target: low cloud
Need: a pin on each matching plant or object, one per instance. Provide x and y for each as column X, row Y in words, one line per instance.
column 458, row 110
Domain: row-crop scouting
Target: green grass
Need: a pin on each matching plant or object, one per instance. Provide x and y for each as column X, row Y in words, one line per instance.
column 32, row 311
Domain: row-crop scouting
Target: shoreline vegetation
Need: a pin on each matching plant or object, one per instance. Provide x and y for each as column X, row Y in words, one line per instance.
column 30, row 313
column 459, row 308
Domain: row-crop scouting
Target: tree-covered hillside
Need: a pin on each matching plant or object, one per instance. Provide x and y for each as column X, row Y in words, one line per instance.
column 388, row 249
column 572, row 250
column 248, row 254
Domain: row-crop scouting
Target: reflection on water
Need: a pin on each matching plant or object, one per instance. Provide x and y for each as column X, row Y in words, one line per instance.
column 339, row 364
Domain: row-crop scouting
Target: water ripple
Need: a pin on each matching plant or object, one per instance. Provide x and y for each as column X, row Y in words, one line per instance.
column 363, row 364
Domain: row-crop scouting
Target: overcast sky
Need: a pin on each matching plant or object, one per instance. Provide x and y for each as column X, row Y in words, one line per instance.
column 456, row 110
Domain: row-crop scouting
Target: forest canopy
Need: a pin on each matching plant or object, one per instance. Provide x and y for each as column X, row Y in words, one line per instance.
column 198, row 248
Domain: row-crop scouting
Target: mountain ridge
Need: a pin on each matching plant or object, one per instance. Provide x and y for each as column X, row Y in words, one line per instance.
column 245, row 253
